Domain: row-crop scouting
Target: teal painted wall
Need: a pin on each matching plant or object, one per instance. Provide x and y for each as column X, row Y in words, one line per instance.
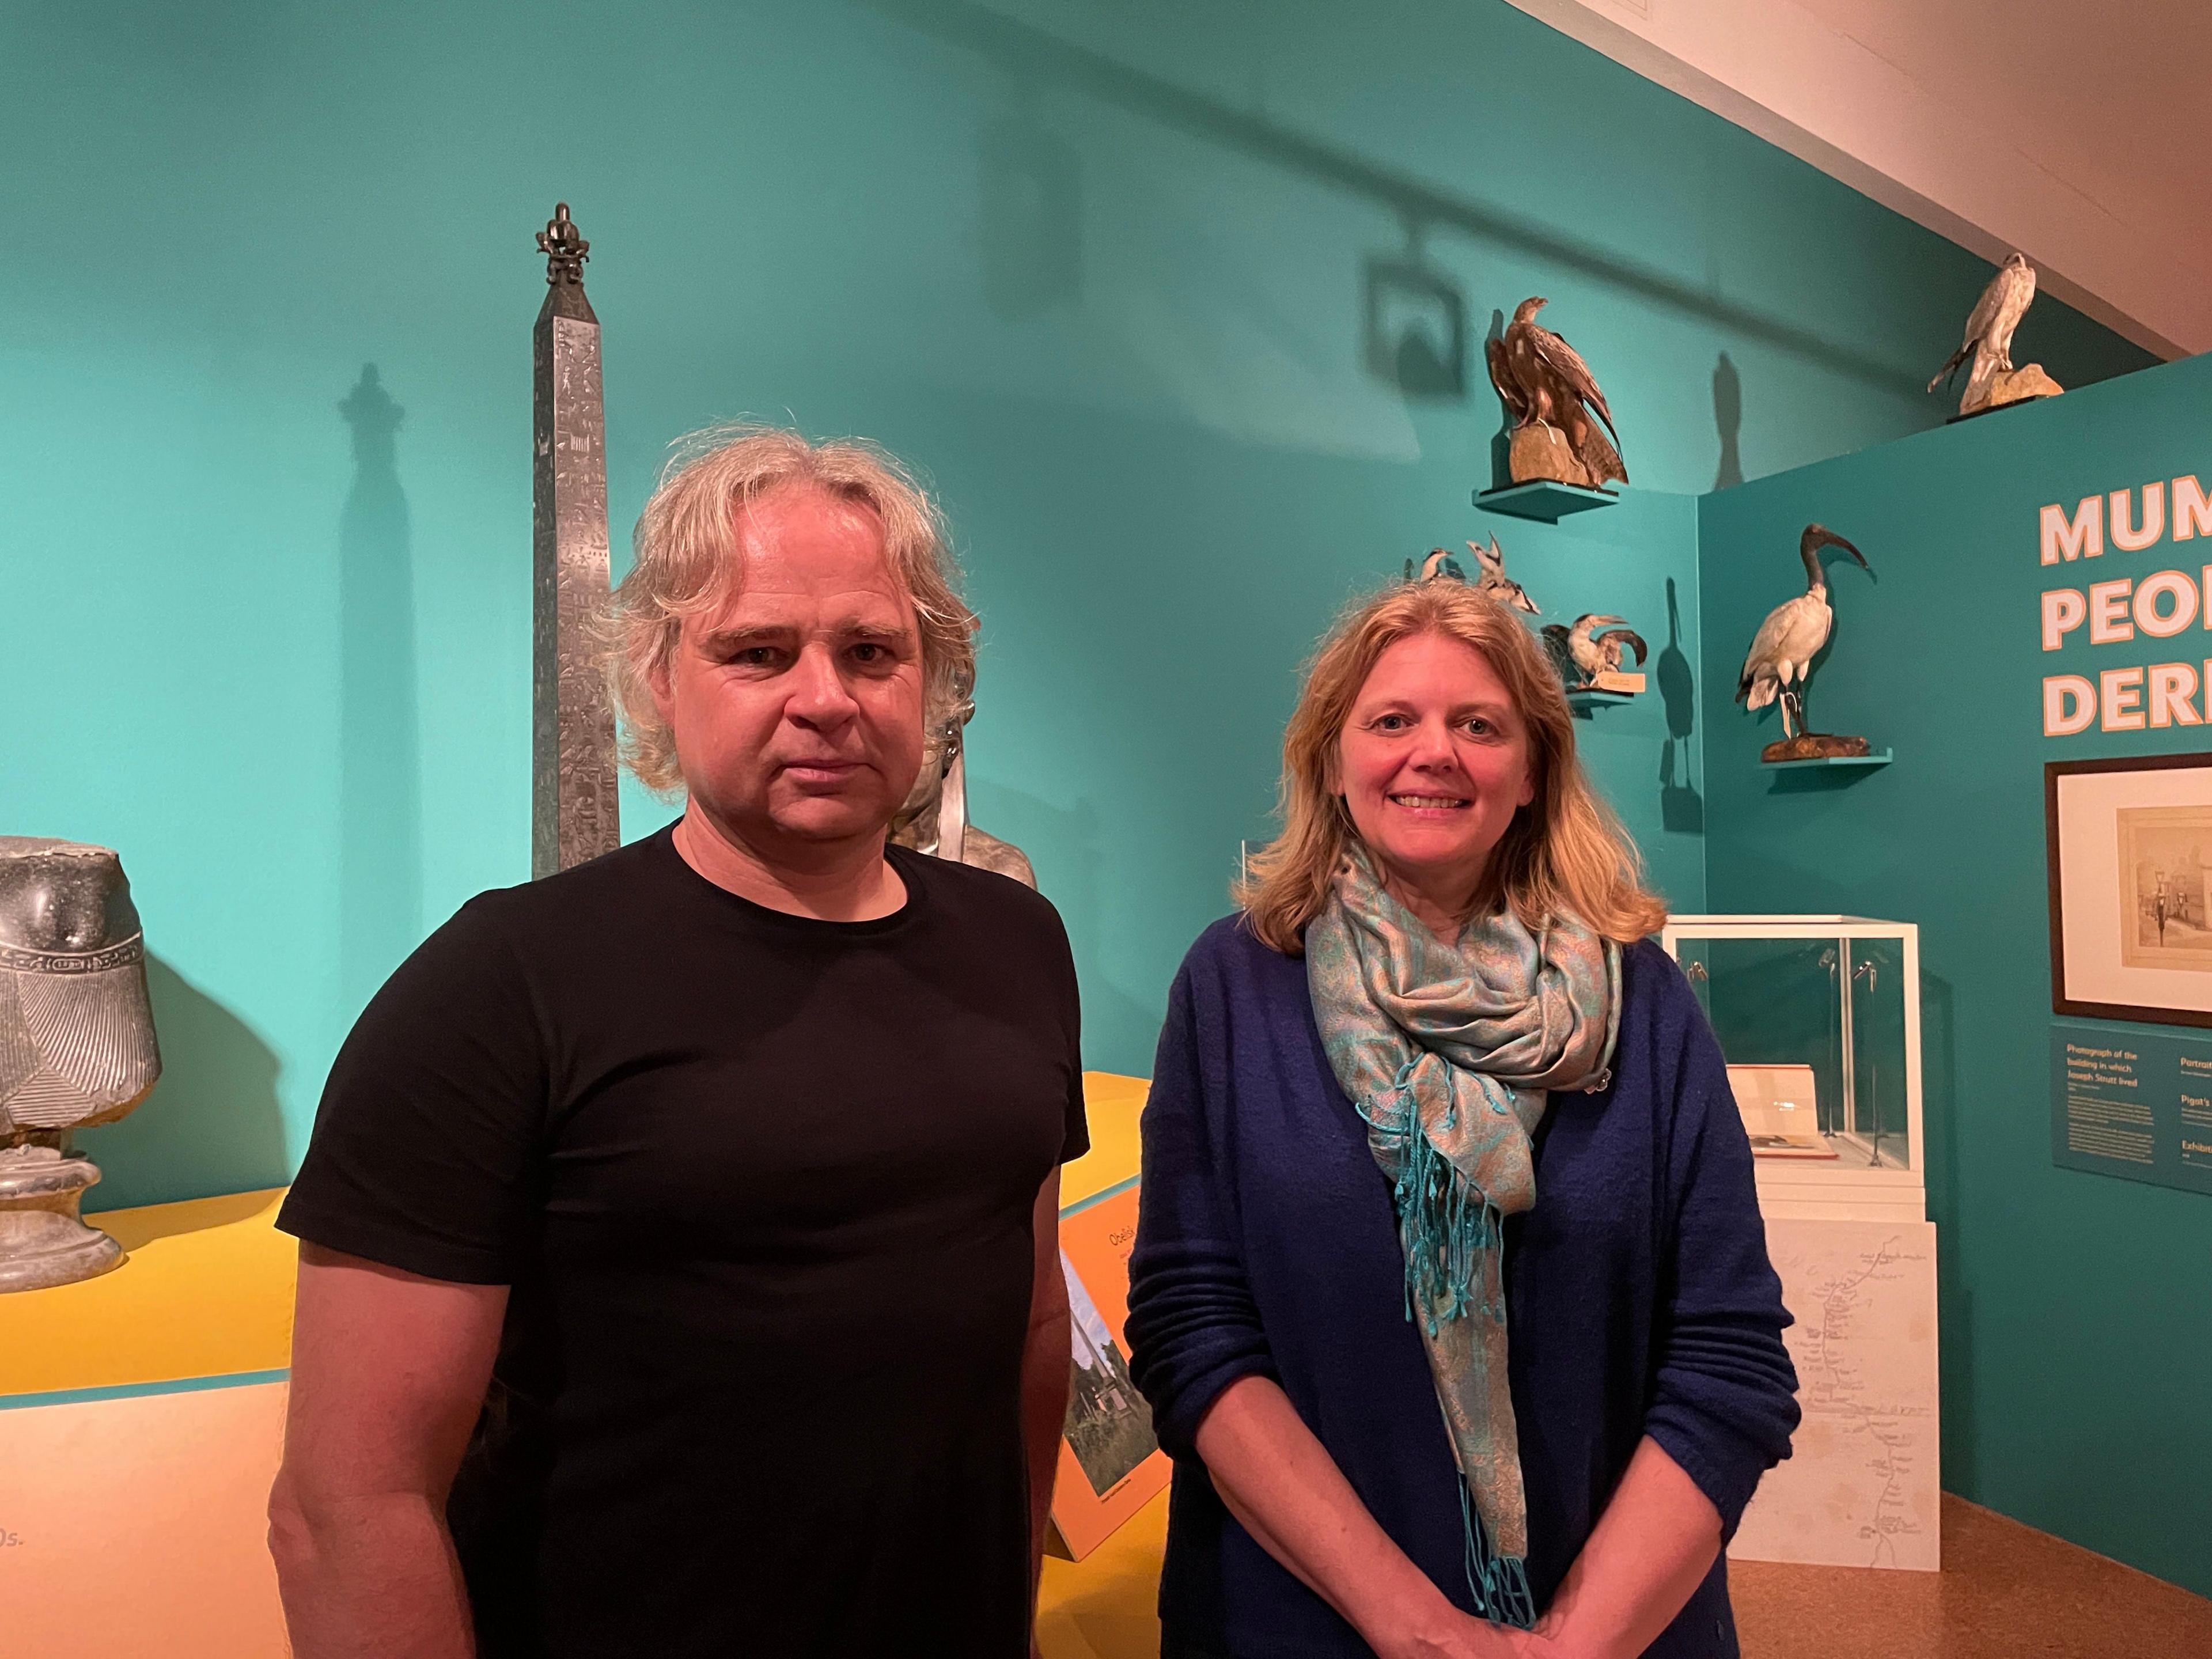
column 2076, row 1310
column 1104, row 272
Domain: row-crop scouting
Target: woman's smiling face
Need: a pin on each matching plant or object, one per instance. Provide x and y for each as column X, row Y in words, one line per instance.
column 1433, row 763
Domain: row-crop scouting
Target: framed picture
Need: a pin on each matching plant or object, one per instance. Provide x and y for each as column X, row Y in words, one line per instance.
column 2130, row 847
column 1110, row 1461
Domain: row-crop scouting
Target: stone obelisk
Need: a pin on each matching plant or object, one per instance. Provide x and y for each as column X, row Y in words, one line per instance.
column 573, row 808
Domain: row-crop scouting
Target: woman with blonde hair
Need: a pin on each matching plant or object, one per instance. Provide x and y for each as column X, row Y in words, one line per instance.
column 1432, row 1084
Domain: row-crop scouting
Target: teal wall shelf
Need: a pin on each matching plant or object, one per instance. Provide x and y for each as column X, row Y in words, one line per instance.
column 1543, row 499
column 1880, row 757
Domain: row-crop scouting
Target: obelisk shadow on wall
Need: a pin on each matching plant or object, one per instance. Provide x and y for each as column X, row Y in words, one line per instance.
column 379, row 744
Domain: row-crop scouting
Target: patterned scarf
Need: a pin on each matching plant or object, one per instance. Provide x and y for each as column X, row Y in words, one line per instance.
column 1447, row 1052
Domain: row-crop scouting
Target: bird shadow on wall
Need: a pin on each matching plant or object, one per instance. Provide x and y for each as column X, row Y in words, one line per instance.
column 1681, row 808
column 1728, row 418
column 1029, row 214
column 379, row 836
column 1413, row 325
column 213, row 1123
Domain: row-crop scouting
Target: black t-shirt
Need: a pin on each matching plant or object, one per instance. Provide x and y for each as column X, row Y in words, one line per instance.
column 762, row 1185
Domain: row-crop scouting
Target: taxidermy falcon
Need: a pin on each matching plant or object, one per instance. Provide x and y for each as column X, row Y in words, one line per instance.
column 1989, row 331
column 1495, row 582
column 1594, row 654
column 1545, row 382
column 1792, row 635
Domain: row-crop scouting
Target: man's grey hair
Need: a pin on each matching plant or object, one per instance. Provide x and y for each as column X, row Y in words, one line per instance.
column 687, row 563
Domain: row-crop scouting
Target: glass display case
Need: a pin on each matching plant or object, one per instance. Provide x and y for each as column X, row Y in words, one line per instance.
column 1819, row 1017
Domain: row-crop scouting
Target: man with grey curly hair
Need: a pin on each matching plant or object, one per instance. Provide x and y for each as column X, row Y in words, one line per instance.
column 679, row 1268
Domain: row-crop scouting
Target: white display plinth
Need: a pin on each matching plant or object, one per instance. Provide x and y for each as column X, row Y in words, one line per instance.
column 1863, row 1485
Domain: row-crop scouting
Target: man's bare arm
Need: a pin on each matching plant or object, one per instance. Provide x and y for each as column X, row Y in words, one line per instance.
column 389, row 1372
column 1047, row 1359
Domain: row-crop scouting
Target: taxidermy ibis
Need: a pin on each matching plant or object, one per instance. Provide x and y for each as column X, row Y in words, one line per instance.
column 1792, row 635
column 1495, row 582
column 1594, row 654
column 1989, row 330
column 1545, row 382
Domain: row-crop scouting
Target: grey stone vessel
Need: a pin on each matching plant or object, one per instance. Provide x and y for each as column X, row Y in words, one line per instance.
column 76, row 1047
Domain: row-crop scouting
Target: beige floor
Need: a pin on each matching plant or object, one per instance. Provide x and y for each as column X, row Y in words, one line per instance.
column 2006, row 1592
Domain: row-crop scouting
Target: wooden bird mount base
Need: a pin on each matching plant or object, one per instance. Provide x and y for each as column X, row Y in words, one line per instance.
column 1813, row 745
column 2011, row 385
column 1542, row 452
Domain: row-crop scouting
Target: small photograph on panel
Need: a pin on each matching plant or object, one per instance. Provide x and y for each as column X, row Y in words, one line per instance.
column 2166, row 887
column 1109, row 1427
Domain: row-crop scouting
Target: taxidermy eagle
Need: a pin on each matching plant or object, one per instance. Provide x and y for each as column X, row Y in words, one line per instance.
column 1545, row 382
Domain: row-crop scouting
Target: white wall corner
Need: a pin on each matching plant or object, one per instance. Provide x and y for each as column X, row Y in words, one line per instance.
column 1779, row 71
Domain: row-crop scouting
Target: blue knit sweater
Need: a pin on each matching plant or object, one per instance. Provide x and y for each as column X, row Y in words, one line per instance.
column 1639, row 1299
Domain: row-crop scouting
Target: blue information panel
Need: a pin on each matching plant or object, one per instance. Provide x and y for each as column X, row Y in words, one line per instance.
column 2129, row 1104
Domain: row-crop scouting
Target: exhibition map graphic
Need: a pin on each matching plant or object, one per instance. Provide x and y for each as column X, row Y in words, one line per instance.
column 1860, row 1487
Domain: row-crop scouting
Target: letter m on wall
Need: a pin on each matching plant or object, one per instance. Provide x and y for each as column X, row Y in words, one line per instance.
column 2081, row 537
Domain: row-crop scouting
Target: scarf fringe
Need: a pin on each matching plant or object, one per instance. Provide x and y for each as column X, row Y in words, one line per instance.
column 1446, row 1224
column 1499, row 1583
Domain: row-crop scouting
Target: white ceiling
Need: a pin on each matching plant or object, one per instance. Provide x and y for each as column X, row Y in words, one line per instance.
column 2079, row 133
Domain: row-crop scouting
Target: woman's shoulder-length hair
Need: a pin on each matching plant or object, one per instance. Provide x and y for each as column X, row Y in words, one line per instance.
column 1564, row 855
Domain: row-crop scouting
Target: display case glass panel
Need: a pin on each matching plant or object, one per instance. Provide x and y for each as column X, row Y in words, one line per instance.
column 1820, row 1006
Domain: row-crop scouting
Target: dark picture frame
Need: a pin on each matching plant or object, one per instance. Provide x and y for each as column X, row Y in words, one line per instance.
column 2055, row 855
